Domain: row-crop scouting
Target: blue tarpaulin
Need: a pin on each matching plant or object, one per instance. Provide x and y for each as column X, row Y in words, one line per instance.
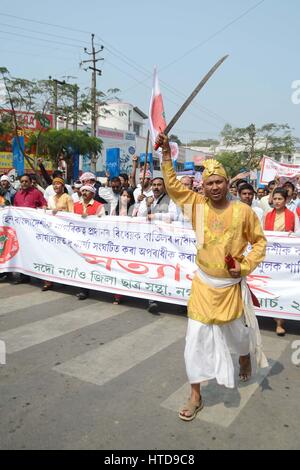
column 189, row 166
column 18, row 156
column 113, row 162
column 75, row 157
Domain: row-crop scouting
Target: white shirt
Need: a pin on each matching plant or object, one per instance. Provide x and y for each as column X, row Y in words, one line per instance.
column 293, row 204
column 165, row 216
column 111, row 198
column 75, row 197
column 183, row 220
column 138, row 191
column 260, row 214
column 255, row 203
column 264, row 204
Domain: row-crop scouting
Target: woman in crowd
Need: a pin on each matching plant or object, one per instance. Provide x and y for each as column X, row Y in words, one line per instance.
column 60, row 201
column 233, row 190
column 126, row 203
column 125, row 207
column 280, row 219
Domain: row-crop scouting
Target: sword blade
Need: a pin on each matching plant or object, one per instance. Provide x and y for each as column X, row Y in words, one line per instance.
column 193, row 94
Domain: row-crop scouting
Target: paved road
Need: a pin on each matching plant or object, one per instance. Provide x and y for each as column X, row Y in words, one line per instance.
column 85, row 375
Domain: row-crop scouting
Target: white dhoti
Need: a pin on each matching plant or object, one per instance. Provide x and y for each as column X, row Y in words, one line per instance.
column 208, row 347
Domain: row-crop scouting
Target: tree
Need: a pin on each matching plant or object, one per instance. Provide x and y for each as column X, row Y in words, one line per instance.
column 67, row 142
column 233, row 162
column 271, row 139
column 37, row 96
column 24, row 95
column 12, row 100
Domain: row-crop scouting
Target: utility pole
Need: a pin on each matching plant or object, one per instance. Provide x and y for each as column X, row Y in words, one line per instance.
column 95, row 70
column 55, row 97
column 75, row 119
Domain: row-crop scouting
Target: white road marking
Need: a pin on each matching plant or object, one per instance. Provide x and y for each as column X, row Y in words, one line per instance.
column 30, row 299
column 222, row 406
column 38, row 332
column 118, row 356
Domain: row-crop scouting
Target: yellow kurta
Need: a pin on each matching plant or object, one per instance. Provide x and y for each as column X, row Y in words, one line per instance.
column 279, row 224
column 62, row 203
column 226, row 231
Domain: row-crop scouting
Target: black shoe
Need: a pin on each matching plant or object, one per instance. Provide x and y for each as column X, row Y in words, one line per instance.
column 153, row 308
column 22, row 279
column 82, row 295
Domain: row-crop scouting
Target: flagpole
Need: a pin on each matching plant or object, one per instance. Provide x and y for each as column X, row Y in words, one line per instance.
column 146, row 160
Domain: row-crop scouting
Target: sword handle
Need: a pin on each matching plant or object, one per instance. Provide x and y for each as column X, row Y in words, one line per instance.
column 229, row 262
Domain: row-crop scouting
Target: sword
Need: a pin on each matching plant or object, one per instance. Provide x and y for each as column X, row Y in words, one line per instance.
column 192, row 96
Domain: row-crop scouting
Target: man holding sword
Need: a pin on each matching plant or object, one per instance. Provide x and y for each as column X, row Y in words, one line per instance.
column 220, row 309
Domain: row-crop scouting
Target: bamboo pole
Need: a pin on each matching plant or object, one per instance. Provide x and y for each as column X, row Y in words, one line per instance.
column 146, row 161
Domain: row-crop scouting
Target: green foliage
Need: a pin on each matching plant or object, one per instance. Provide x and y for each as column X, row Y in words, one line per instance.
column 232, row 162
column 271, row 139
column 54, row 142
column 37, row 96
column 6, row 124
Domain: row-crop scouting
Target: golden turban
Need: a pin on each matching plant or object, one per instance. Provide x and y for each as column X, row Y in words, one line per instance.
column 58, row 180
column 213, row 167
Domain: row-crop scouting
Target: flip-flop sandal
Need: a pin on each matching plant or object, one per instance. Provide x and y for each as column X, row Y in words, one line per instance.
column 192, row 408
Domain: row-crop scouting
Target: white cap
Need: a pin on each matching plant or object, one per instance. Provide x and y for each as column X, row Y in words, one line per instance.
column 87, row 176
column 5, row 178
column 88, row 187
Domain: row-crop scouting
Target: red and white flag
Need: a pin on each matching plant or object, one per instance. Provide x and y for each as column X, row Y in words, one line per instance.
column 157, row 120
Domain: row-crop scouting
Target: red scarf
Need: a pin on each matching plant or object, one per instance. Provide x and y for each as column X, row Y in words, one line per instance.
column 289, row 220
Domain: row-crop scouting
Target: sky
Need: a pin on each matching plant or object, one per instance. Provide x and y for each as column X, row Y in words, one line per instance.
column 182, row 38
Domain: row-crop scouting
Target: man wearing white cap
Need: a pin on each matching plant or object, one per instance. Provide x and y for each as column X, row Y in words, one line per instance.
column 85, row 207
column 7, row 190
column 88, row 178
column 102, row 195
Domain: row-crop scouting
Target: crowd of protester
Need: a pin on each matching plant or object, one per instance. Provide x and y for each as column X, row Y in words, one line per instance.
column 277, row 206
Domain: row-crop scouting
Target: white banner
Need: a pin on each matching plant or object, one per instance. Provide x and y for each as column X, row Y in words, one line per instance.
column 135, row 258
column 270, row 169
